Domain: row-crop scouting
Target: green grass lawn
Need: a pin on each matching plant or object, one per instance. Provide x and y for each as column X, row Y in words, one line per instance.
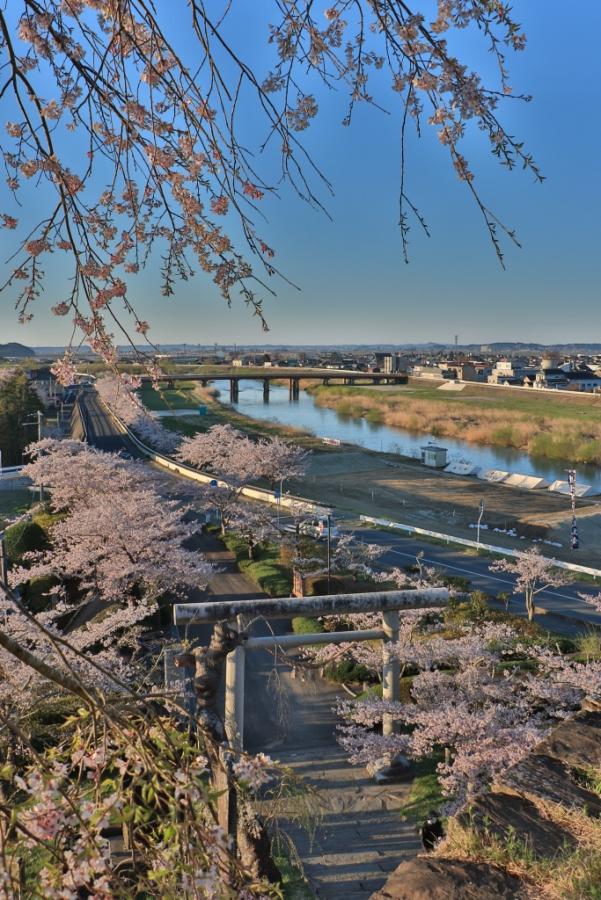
column 425, row 794
column 583, row 409
column 266, row 570
column 182, row 397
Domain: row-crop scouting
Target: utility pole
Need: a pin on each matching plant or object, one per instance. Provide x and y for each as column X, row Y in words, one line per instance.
column 574, row 539
column 329, row 555
column 3, row 563
column 481, row 513
column 279, row 498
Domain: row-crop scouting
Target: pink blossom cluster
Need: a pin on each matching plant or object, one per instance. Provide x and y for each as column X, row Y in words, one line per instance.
column 468, row 698
column 253, row 771
column 117, row 546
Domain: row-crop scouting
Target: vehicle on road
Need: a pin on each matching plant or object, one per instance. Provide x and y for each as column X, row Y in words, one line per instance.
column 318, row 528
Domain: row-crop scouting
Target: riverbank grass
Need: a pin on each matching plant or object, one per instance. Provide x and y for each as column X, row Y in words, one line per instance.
column 187, row 395
column 550, row 427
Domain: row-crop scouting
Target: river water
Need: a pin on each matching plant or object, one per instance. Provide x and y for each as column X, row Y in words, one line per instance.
column 305, row 414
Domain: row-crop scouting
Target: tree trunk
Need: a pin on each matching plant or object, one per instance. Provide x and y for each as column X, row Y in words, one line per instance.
column 530, row 605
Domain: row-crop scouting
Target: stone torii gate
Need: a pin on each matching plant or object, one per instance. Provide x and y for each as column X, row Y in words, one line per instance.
column 241, row 612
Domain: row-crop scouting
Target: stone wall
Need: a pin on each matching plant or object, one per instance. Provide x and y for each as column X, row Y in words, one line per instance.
column 509, row 810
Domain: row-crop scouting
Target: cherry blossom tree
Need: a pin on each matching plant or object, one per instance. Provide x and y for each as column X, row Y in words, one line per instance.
column 125, row 758
column 236, row 460
column 120, row 539
column 169, row 166
column 281, row 461
column 116, row 548
column 224, row 451
column 229, row 455
column 253, row 525
column 534, row 573
column 471, row 699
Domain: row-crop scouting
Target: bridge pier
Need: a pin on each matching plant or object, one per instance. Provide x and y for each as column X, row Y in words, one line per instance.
column 266, row 390
column 234, row 390
column 294, row 389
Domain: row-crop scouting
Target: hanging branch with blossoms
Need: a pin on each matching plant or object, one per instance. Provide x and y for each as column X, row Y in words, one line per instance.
column 135, row 143
column 123, row 763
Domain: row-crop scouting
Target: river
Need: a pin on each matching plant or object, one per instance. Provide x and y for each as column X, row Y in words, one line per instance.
column 306, row 415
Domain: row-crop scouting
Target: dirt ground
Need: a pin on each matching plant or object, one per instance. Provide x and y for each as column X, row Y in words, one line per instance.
column 358, row 482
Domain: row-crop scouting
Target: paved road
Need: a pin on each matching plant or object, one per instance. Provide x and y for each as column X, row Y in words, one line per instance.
column 101, row 430
column 559, row 602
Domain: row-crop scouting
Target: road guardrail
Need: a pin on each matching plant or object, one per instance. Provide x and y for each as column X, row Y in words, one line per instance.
column 253, row 493
column 464, row 542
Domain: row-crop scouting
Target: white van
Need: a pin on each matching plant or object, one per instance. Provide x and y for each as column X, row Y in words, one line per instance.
column 318, row 528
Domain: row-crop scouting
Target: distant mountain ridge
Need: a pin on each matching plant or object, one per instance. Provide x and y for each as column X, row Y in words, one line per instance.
column 423, row 347
column 13, row 349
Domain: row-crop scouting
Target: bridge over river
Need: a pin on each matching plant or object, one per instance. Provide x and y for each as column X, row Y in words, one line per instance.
column 235, row 375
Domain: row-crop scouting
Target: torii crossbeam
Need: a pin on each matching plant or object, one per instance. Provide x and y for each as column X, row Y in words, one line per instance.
column 240, row 612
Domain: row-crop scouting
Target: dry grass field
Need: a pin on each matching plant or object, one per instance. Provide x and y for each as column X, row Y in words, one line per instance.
column 551, row 426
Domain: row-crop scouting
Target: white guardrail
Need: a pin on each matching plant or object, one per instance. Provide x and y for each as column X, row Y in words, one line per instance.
column 464, row 542
column 253, row 493
column 10, row 471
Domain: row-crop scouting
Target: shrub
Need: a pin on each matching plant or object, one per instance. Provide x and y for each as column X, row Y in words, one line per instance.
column 589, row 644
column 24, row 537
column 34, row 593
column 305, row 625
column 348, row 670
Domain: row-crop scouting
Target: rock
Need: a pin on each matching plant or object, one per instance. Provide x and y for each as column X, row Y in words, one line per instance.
column 448, row 879
column 508, row 817
column 576, row 742
column 542, row 777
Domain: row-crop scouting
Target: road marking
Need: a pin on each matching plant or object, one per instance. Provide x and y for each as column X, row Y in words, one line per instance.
column 481, row 575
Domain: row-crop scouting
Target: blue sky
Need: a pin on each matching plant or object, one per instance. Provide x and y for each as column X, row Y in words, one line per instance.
column 354, row 284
